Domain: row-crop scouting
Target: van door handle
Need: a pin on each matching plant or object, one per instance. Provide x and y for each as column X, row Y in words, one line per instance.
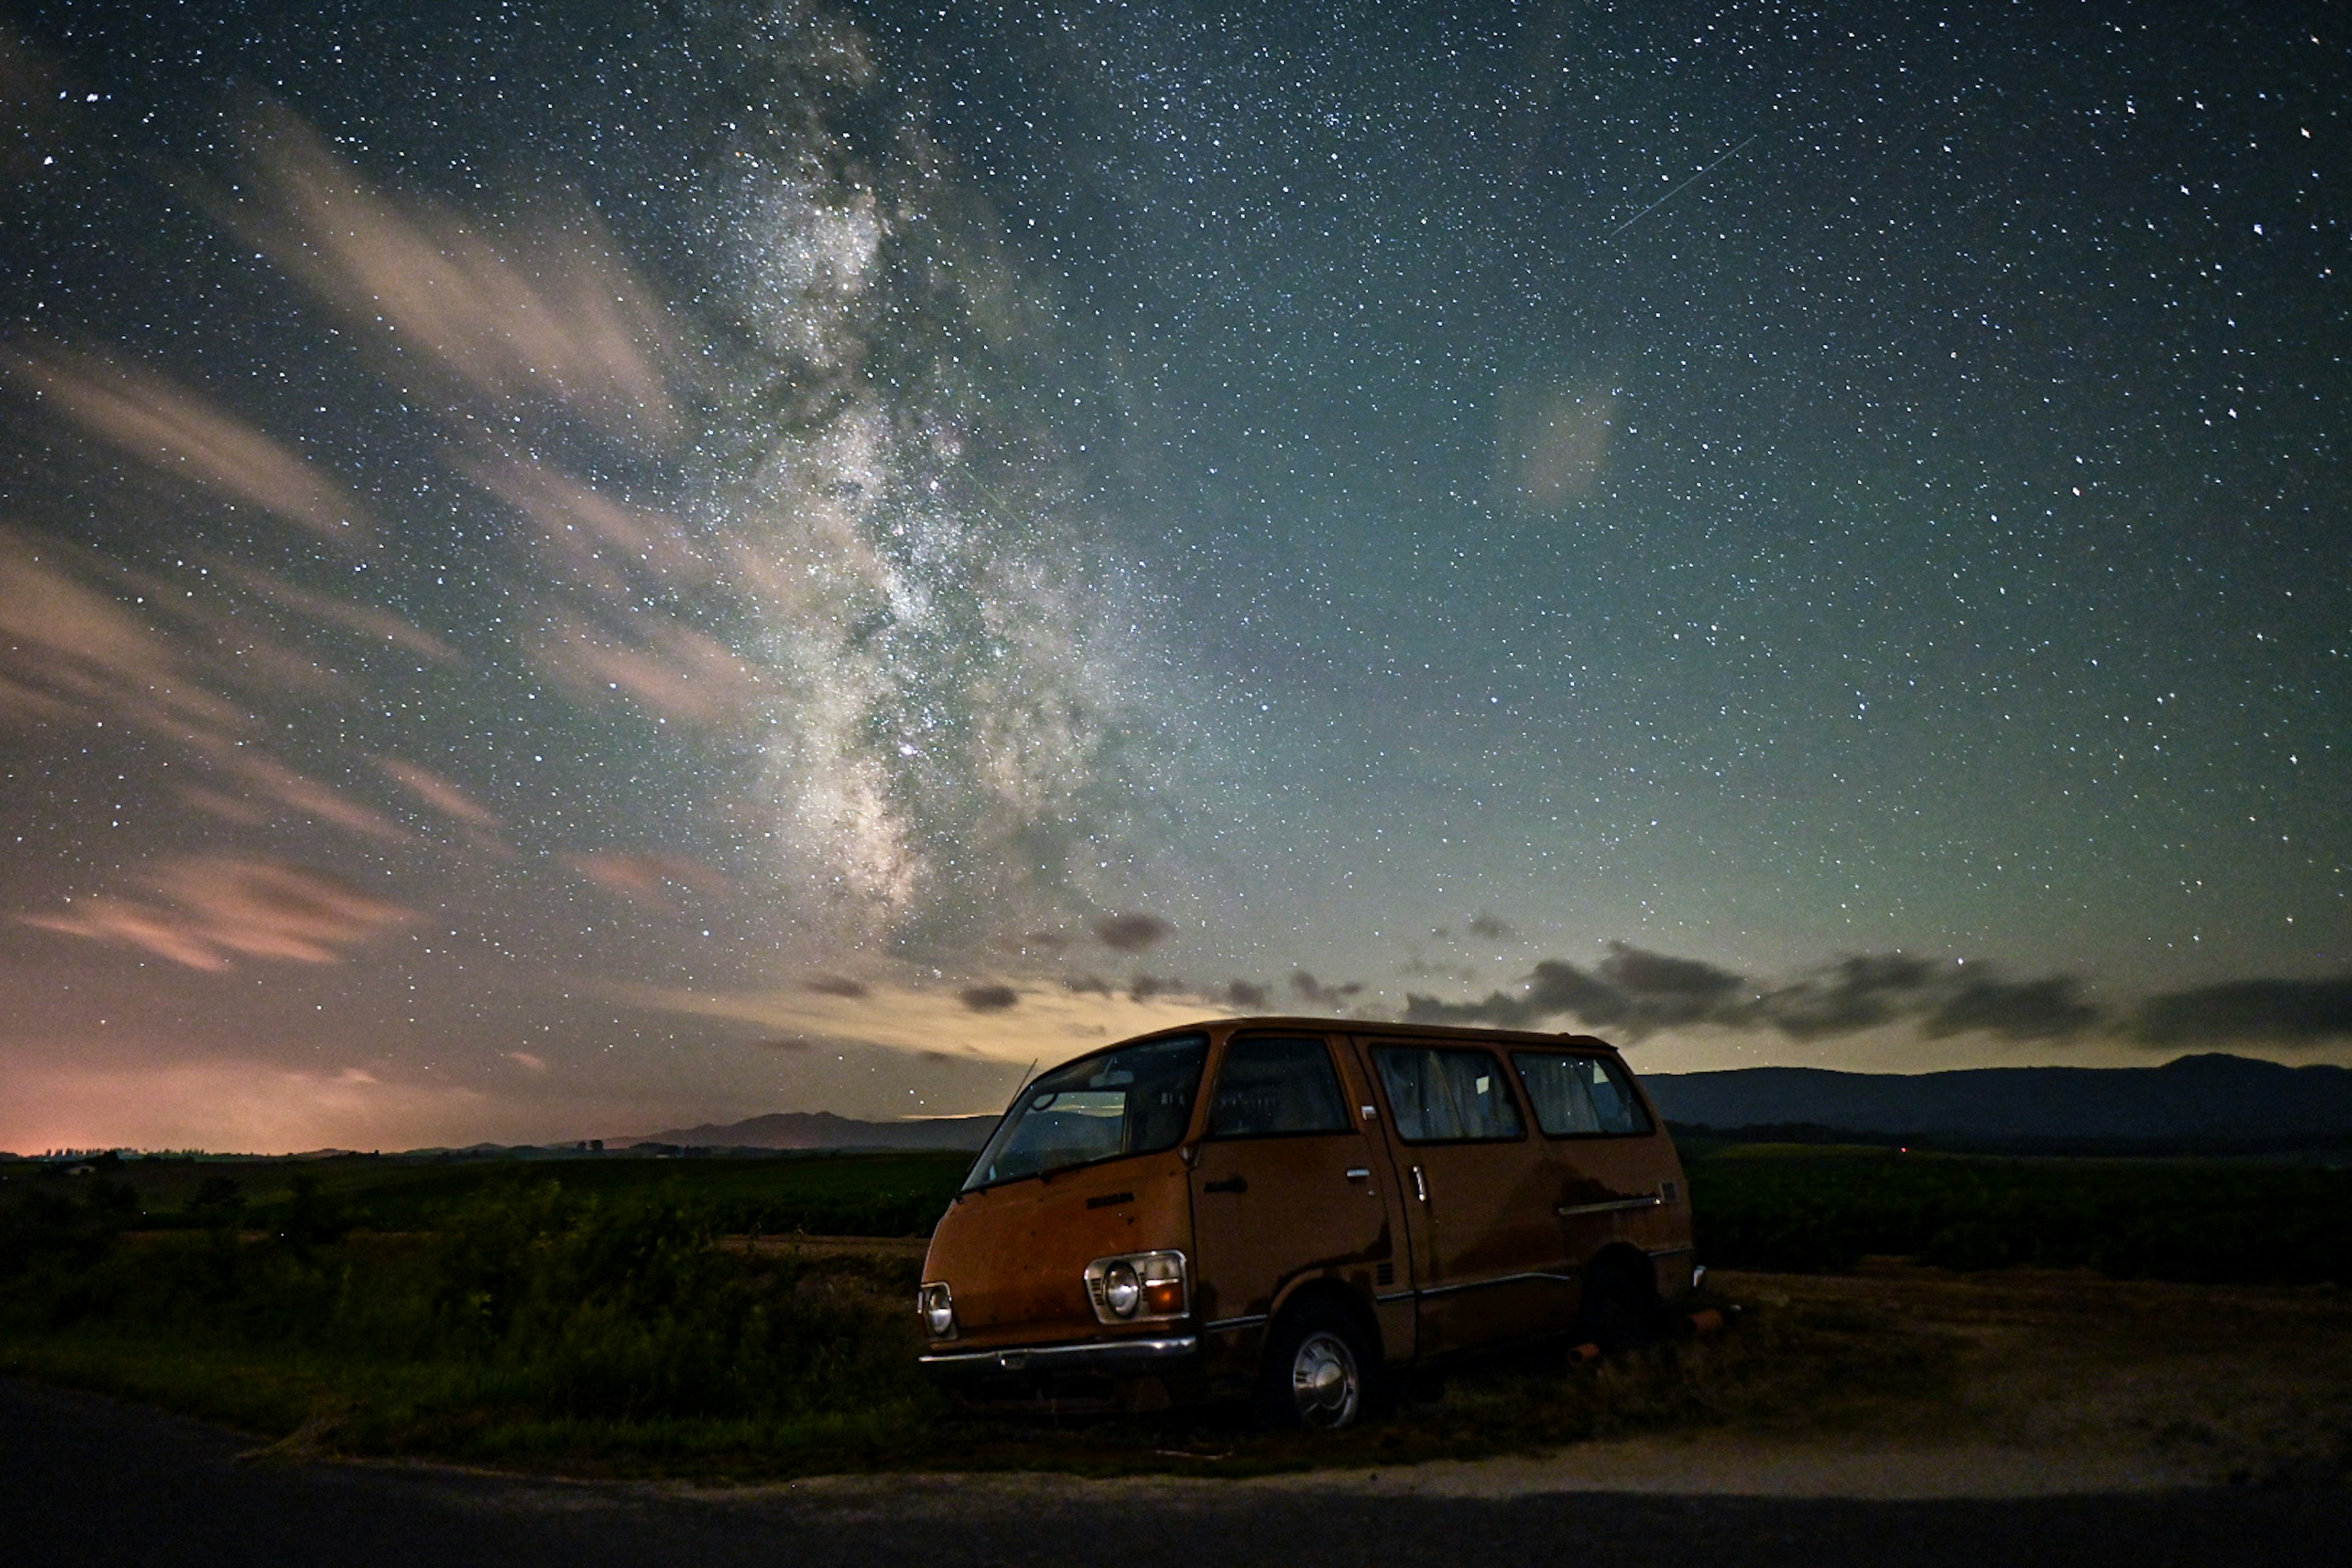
column 1360, row 1173
column 1420, row 1187
column 1235, row 1185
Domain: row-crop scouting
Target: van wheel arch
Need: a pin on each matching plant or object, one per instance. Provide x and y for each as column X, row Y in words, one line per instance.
column 1335, row 1293
column 1320, row 1318
column 1618, row 1301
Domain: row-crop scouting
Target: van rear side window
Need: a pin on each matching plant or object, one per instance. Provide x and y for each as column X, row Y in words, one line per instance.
column 1271, row 1086
column 1441, row 1096
column 1580, row 1097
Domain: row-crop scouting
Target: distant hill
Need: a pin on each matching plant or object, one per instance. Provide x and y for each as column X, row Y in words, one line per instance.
column 2201, row 1100
column 824, row 1130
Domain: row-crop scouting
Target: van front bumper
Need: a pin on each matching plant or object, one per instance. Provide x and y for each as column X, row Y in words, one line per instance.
column 1110, row 1357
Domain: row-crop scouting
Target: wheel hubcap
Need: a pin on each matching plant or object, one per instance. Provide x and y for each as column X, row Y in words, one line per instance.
column 1324, row 1381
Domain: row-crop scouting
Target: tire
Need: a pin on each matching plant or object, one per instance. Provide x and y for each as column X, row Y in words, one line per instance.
column 1619, row 1306
column 1319, row 1373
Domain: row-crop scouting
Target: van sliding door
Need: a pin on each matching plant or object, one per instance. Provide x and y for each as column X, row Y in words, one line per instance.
column 1286, row 1183
column 1477, row 1197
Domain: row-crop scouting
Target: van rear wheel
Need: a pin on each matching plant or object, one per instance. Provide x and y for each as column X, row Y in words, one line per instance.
column 1319, row 1371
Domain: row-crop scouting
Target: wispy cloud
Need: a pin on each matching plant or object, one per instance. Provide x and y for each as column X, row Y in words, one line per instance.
column 665, row 666
column 1552, row 446
column 1047, row 1020
column 180, row 434
column 214, row 909
column 567, row 326
column 602, row 544
column 653, row 882
column 301, row 793
column 369, row 622
column 155, row 1100
column 438, row 793
column 70, row 645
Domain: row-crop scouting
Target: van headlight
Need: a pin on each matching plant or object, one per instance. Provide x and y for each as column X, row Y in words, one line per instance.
column 1138, row 1288
column 1122, row 1291
column 937, row 1305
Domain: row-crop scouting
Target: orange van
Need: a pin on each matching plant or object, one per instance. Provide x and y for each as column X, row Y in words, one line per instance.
column 1302, row 1208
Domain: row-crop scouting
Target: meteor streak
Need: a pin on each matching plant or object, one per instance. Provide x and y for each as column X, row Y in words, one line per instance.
column 1678, row 190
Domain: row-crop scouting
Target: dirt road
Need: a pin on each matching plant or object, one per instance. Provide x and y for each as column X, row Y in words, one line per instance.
column 95, row 1483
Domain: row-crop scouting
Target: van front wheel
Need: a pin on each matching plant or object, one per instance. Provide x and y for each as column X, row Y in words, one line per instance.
column 1319, row 1371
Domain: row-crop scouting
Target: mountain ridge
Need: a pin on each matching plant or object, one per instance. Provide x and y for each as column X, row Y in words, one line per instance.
column 2204, row 1099
column 824, row 1130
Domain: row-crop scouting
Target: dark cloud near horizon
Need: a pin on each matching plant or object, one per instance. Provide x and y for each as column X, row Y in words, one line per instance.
column 988, row 998
column 1638, row 991
column 2050, row 1009
column 1494, row 928
column 835, row 985
column 1665, row 990
column 2280, row 1012
column 1246, row 995
column 1087, row 985
column 1144, row 987
column 1856, row 992
column 1307, row 988
column 1132, row 931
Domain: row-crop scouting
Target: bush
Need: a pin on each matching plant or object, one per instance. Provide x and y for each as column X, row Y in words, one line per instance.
column 528, row 1308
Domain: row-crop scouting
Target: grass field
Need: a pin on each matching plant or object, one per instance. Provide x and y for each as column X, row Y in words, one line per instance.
column 608, row 1315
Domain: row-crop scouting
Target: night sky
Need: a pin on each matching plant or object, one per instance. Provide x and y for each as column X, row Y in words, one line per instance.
column 566, row 570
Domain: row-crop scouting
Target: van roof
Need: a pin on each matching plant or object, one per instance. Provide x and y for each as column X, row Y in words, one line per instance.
column 1403, row 1030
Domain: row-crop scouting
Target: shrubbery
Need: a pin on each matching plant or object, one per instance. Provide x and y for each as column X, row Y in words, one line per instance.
column 526, row 1306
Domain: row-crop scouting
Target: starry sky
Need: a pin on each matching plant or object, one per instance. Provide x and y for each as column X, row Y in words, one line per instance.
column 571, row 569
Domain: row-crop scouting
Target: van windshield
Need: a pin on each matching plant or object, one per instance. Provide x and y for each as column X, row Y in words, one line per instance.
column 1135, row 1099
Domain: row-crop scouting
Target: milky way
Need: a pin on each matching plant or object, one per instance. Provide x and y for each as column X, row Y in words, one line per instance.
column 569, row 569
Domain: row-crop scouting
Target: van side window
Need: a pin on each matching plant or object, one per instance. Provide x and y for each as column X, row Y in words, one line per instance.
column 1270, row 1086
column 1446, row 1096
column 1580, row 1097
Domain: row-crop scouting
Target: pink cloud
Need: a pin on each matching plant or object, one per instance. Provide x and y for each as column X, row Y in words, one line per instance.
column 180, row 434
column 366, row 620
column 216, row 909
column 514, row 323
column 645, row 879
column 66, row 645
column 438, row 793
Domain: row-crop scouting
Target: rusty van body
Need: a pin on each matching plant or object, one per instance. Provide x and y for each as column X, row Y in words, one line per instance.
column 1302, row 1208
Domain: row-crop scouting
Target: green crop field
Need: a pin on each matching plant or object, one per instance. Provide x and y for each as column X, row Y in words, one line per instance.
column 2192, row 1220
column 817, row 1193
